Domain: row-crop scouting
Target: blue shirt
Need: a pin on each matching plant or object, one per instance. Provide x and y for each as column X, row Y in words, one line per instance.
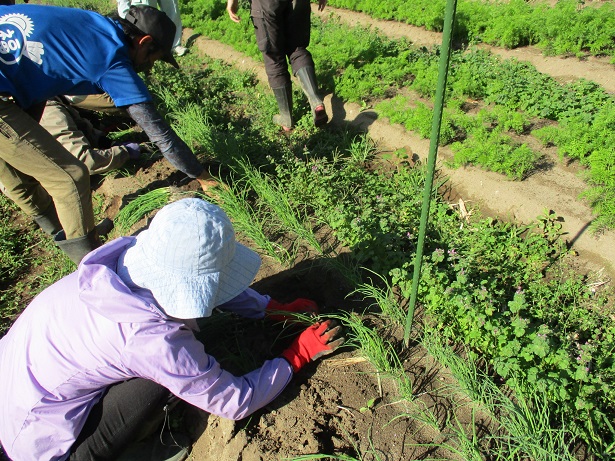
column 46, row 51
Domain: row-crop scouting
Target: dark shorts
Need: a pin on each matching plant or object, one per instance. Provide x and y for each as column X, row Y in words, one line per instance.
column 282, row 29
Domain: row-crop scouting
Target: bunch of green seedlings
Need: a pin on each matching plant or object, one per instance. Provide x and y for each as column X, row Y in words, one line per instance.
column 139, row 207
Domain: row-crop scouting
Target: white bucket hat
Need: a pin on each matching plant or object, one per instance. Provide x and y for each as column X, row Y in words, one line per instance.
column 189, row 260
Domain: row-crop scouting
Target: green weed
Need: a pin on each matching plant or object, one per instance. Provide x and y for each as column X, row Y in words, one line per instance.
column 235, row 200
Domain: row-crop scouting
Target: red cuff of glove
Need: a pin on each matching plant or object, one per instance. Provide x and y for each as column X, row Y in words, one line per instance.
column 275, row 310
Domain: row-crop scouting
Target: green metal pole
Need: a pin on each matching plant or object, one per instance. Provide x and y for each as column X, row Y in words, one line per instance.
column 445, row 52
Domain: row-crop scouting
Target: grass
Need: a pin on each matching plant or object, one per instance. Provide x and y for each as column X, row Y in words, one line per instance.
column 29, row 262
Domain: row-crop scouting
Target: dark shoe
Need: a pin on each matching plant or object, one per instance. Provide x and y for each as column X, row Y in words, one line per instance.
column 78, row 247
column 284, row 97
column 307, row 78
column 104, row 227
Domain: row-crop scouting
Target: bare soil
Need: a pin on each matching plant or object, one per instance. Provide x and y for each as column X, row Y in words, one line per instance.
column 340, row 405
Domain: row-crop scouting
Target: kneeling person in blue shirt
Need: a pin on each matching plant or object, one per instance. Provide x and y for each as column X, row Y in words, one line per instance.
column 47, row 51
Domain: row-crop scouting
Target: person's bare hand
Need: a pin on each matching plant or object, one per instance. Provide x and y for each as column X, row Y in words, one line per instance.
column 207, row 181
column 231, row 8
column 211, row 186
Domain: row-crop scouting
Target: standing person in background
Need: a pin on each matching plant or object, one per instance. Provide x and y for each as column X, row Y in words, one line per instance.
column 169, row 7
column 282, row 29
column 48, row 51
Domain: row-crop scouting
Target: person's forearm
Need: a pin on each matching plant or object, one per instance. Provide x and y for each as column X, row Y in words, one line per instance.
column 237, row 397
column 160, row 133
column 249, row 303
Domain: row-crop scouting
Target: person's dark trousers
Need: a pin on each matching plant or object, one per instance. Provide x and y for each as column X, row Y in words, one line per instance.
column 282, row 29
column 119, row 419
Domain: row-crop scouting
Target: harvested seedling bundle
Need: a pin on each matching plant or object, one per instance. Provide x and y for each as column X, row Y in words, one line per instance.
column 139, row 207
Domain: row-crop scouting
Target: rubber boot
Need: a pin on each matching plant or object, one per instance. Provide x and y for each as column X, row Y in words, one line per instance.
column 78, row 247
column 48, row 221
column 307, row 78
column 284, row 97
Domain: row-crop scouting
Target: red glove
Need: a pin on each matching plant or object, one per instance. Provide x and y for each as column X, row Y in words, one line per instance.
column 275, row 310
column 315, row 341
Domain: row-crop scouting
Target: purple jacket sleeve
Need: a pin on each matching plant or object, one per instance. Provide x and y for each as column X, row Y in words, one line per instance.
column 178, row 361
column 160, row 133
column 249, row 303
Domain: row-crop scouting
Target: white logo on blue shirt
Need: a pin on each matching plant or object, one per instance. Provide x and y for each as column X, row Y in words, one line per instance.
column 15, row 28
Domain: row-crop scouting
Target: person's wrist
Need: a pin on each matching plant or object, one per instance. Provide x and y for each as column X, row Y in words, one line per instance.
column 296, row 361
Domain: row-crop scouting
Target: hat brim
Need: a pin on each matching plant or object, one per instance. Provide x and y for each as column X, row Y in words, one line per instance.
column 189, row 297
column 171, row 60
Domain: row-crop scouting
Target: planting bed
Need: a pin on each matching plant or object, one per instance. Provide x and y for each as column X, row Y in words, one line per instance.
column 340, row 404
column 324, row 410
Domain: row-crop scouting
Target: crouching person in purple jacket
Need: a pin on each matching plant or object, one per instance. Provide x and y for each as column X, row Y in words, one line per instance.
column 99, row 353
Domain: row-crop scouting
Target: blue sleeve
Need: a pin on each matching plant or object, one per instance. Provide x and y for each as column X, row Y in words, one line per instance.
column 124, row 85
column 160, row 133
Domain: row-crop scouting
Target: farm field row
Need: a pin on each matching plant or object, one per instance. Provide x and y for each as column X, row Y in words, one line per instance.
column 558, row 188
column 558, row 27
column 555, row 186
column 500, row 114
column 563, row 68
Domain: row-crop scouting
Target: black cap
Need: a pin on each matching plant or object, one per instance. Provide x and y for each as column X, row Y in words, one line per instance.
column 152, row 21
